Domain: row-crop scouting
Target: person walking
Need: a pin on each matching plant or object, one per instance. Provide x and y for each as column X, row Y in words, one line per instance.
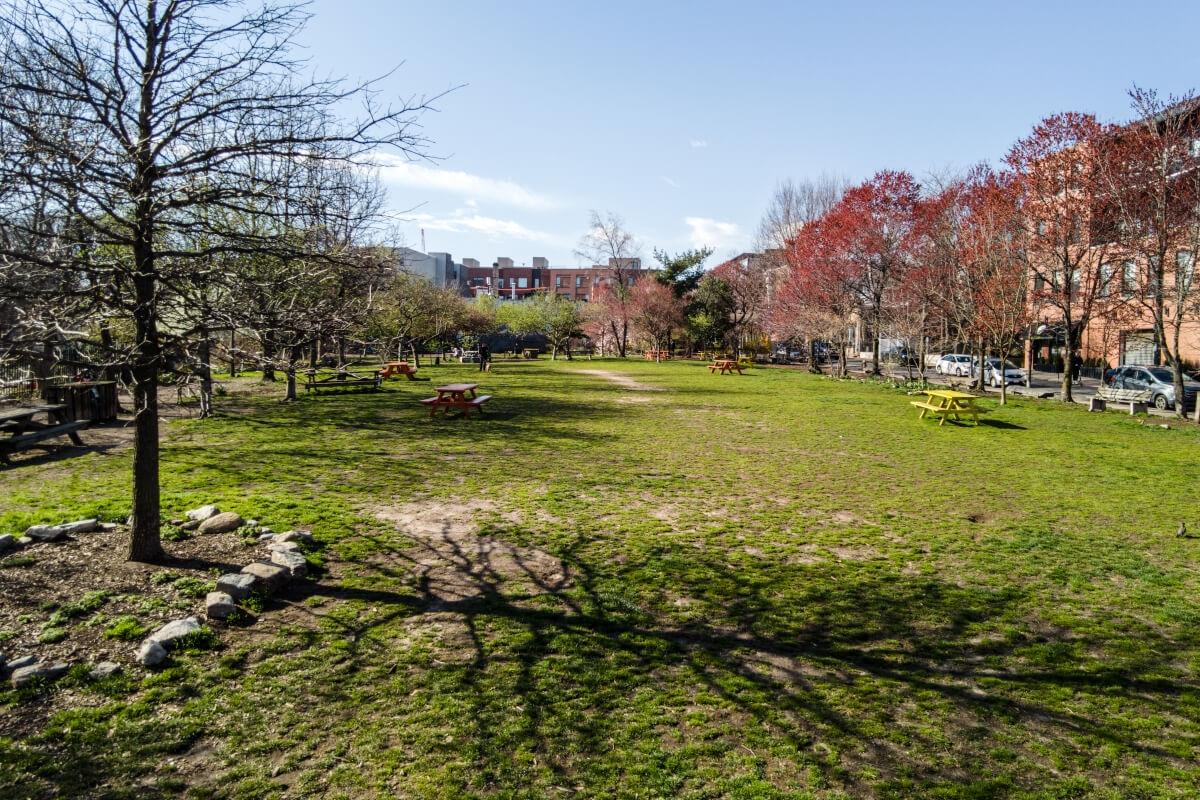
column 485, row 358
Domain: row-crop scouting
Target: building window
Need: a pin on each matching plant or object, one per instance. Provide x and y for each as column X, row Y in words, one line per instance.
column 578, row 281
column 558, row 281
column 1185, row 269
column 522, row 283
column 1106, row 278
column 1128, row 278
column 489, row 280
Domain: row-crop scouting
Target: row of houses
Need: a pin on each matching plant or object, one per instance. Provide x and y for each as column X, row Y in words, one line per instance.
column 506, row 280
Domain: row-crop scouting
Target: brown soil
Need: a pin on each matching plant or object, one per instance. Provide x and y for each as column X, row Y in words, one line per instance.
column 624, row 381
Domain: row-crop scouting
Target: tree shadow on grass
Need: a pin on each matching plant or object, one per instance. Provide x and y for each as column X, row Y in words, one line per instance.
column 889, row 673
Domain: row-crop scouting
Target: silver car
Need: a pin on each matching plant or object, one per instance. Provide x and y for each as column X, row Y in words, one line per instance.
column 1152, row 384
column 994, row 374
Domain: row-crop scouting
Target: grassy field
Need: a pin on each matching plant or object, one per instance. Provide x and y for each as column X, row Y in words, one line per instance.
column 679, row 585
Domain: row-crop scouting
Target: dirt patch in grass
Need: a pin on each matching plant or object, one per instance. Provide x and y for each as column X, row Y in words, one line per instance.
column 624, row 381
column 450, row 561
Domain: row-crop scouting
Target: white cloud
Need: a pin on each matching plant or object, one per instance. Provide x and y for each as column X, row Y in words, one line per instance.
column 669, row 182
column 698, row 144
column 491, row 227
column 396, row 170
column 713, row 233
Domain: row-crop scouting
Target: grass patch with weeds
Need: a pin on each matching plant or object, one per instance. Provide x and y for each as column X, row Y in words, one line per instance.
column 771, row 585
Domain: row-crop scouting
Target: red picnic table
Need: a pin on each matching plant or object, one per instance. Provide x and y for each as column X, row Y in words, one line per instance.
column 726, row 365
column 456, row 395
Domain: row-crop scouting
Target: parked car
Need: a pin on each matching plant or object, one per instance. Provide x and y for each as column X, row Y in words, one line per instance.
column 993, row 374
column 787, row 355
column 824, row 352
column 899, row 355
column 1156, row 384
column 958, row 364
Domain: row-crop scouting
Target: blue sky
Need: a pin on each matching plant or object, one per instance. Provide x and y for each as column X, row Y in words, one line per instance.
column 682, row 116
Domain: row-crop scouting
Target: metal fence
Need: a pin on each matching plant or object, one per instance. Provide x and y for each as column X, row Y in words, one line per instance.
column 16, row 383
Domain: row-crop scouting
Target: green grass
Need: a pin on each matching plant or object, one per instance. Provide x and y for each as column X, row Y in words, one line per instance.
column 774, row 585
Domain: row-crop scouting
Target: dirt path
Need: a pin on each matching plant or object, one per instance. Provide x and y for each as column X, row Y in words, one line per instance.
column 624, row 381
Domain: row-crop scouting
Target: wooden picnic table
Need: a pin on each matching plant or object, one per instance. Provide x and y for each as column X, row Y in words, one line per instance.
column 725, row 365
column 658, row 355
column 392, row 369
column 21, row 431
column 456, row 395
column 942, row 403
column 530, row 352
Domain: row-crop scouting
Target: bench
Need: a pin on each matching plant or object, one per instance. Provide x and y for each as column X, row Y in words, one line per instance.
column 342, row 380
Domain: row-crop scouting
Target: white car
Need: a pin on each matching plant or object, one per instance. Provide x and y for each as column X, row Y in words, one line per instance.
column 958, row 364
column 992, row 372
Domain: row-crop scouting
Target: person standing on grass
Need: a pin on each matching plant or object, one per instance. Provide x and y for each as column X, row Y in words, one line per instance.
column 485, row 357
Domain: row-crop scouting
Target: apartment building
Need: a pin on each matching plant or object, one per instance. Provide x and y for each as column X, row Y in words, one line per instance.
column 507, row 281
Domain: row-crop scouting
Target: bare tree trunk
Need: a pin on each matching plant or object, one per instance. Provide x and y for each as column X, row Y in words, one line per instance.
column 233, row 363
column 268, row 367
column 144, row 542
column 206, row 382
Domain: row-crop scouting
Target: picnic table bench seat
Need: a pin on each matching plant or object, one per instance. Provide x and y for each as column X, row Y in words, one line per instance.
column 14, row 442
column 22, row 431
column 341, row 380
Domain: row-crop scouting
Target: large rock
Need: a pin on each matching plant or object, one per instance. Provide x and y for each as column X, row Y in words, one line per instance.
column 7, row 542
column 45, row 533
column 151, row 654
column 221, row 523
column 50, row 672
column 304, row 537
column 291, row 560
column 236, row 584
column 173, row 631
column 79, row 526
column 280, row 547
column 104, row 669
column 218, row 605
column 23, row 661
column 202, row 513
column 269, row 576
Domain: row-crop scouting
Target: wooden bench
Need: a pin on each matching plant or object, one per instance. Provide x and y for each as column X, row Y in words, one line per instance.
column 341, row 380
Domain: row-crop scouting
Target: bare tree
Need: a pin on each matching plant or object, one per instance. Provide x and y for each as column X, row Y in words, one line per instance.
column 794, row 204
column 608, row 243
column 137, row 120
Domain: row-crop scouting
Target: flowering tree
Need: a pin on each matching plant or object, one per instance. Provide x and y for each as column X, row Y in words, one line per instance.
column 655, row 312
column 746, row 280
column 816, row 298
column 608, row 242
column 992, row 243
column 1150, row 207
column 1055, row 168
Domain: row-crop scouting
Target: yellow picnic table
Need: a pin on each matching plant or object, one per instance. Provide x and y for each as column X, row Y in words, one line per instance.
column 944, row 403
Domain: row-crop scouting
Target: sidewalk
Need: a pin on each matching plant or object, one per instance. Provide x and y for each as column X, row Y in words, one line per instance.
column 1047, row 385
